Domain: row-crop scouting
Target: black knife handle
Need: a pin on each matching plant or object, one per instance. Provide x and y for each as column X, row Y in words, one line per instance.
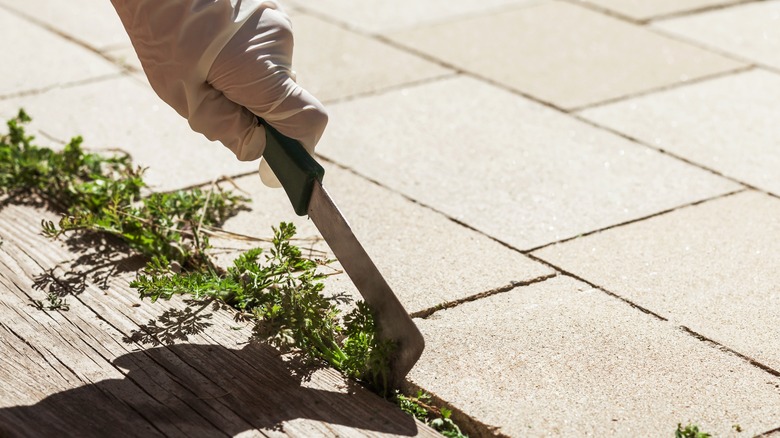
column 293, row 166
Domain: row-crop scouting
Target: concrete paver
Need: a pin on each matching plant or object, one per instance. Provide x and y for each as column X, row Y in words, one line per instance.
column 382, row 16
column 334, row 63
column 644, row 10
column 123, row 113
column 91, row 22
column 707, row 124
column 560, row 358
column 516, row 170
column 34, row 58
column 749, row 31
column 426, row 258
column 598, row 58
column 712, row 268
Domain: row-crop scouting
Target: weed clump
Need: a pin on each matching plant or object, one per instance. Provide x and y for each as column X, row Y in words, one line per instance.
column 278, row 289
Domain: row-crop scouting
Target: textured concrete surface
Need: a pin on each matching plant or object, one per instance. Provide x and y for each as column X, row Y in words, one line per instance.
column 426, row 258
column 711, row 268
column 90, row 22
column 559, row 358
column 382, row 16
column 705, row 123
column 334, row 63
column 123, row 113
column 597, row 59
column 518, row 171
column 750, row 31
column 28, row 58
column 644, row 9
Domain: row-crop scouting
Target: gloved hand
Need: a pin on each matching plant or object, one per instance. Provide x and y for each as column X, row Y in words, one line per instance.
column 222, row 63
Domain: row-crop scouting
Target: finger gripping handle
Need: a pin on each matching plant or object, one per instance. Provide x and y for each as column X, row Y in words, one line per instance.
column 293, row 166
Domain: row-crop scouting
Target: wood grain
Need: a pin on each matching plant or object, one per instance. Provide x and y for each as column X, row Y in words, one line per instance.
column 100, row 368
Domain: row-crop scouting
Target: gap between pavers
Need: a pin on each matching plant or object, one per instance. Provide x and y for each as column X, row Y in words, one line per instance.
column 124, row 113
column 426, row 258
column 378, row 16
column 646, row 10
column 334, row 63
column 711, row 268
column 36, row 59
column 597, row 59
column 562, row 358
column 750, row 31
column 727, row 124
column 548, row 176
column 93, row 23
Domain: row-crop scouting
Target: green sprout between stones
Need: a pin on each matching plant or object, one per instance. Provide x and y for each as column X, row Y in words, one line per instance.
column 689, row 431
column 438, row 418
column 278, row 289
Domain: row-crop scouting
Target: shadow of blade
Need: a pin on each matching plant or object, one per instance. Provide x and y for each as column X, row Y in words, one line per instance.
column 205, row 391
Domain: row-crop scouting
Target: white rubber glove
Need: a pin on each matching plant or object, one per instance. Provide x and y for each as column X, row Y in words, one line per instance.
column 222, row 63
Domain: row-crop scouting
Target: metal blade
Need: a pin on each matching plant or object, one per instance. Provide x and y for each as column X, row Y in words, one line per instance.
column 393, row 320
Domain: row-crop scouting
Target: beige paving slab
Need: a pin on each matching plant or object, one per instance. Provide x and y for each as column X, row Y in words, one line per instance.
column 712, row 268
column 334, row 63
column 644, row 9
column 512, row 168
column 426, row 258
column 382, row 16
column 34, row 58
column 93, row 22
column 123, row 113
column 597, row 58
column 727, row 124
column 750, row 31
column 561, row 359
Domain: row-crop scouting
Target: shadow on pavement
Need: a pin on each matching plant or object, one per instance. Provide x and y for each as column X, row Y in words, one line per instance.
column 201, row 391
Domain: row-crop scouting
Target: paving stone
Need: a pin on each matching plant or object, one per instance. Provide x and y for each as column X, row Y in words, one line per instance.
column 712, row 268
column 644, row 10
column 514, row 169
column 598, row 57
column 727, row 124
column 22, row 69
column 92, row 22
column 334, row 63
column 559, row 358
column 426, row 258
column 749, row 31
column 123, row 113
column 382, row 16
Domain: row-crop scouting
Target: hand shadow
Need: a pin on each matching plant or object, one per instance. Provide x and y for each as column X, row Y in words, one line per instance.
column 203, row 391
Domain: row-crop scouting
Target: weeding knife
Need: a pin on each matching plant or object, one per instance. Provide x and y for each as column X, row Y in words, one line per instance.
column 301, row 176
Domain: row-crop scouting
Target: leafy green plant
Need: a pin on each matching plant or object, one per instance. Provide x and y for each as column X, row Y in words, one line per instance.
column 690, row 431
column 53, row 302
column 282, row 291
column 278, row 289
column 438, row 418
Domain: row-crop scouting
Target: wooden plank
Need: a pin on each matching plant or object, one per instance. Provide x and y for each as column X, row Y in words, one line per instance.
column 90, row 362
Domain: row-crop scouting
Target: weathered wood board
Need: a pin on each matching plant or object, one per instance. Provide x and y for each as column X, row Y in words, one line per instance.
column 93, row 370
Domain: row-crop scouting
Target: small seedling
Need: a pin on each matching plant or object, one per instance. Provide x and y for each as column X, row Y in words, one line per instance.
column 53, row 302
column 421, row 408
column 690, row 431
